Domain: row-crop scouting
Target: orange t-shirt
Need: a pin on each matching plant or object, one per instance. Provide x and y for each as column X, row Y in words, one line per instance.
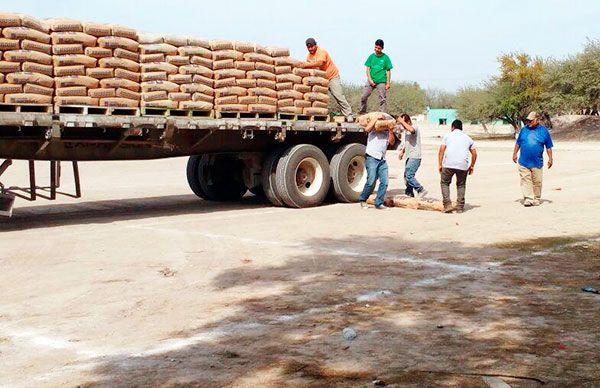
column 328, row 66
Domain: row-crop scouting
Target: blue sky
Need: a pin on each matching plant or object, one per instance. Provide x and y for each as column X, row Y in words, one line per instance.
column 441, row 44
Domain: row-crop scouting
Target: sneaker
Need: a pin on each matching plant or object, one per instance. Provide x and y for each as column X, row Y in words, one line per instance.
column 448, row 209
column 536, row 202
column 528, row 203
column 382, row 207
column 350, row 119
column 422, row 193
column 460, row 210
column 363, row 205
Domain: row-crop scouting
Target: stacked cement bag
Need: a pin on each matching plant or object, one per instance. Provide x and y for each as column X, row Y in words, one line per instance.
column 314, row 87
column 26, row 62
column 264, row 93
column 230, row 74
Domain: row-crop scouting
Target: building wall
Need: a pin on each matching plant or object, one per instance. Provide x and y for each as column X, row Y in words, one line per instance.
column 441, row 116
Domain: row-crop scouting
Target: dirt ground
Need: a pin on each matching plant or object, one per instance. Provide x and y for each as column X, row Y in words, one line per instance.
column 142, row 284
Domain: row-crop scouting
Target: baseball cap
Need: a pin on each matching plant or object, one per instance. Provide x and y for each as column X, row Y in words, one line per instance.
column 532, row 115
column 311, row 41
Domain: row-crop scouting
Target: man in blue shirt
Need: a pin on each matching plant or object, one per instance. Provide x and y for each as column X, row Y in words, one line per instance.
column 531, row 141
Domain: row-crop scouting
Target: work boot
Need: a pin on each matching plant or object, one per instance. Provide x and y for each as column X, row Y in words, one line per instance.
column 447, row 208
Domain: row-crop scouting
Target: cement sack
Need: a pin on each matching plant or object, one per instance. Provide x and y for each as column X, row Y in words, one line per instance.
column 265, row 67
column 24, row 77
column 226, row 82
column 179, row 96
column 31, row 22
column 284, row 86
column 31, row 67
column 232, row 108
column 246, row 83
column 290, row 110
column 152, row 86
column 227, row 54
column 115, row 42
column 319, row 104
column 317, row 73
column 265, row 100
column 256, row 57
column 286, row 61
column 223, row 64
column 119, row 63
column 311, row 81
column 165, row 104
column 195, row 51
column 98, row 52
column 278, row 51
column 76, row 101
column 100, row 73
column 195, row 60
column 385, row 125
column 124, row 32
column 405, row 201
column 128, row 74
column 10, row 20
column 200, row 79
column 148, row 58
column 37, row 89
column 10, row 44
column 23, row 33
column 315, row 111
column 320, row 89
column 243, row 65
column 27, row 56
column 96, row 29
column 159, row 66
column 36, row 46
column 247, row 100
column 302, row 104
column 196, row 69
column 283, row 94
column 227, row 73
column 177, row 41
column 196, row 105
column 256, row 74
column 125, row 93
column 262, row 92
column 11, row 88
column 231, row 91
column 200, row 97
column 285, row 102
column 312, row 96
column 283, row 69
column 262, row 108
column 154, row 96
column 261, row 50
column 76, row 80
column 126, row 54
column 301, row 72
column 63, row 49
column 120, row 83
column 75, row 59
column 288, row 78
column 101, row 93
column 27, row 98
column 148, row 38
column 61, row 71
column 198, row 42
column 244, row 47
column 180, row 79
column 154, row 76
column 73, row 37
column 64, row 24
column 226, row 100
column 158, row 48
column 72, row 91
column 266, row 83
column 302, row 88
column 221, row 45
column 178, row 60
column 197, row 88
column 118, row 102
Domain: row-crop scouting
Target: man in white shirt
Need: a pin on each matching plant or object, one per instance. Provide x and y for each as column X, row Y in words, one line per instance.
column 453, row 159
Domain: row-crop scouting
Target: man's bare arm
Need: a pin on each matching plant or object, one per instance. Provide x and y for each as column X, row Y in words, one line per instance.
column 407, row 126
column 441, row 156
column 388, row 75
column 312, row 65
column 550, row 160
column 516, row 152
column 473, row 160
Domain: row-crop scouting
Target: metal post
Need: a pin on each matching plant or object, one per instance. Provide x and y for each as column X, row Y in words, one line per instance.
column 77, row 182
column 52, row 179
column 58, row 173
column 32, row 184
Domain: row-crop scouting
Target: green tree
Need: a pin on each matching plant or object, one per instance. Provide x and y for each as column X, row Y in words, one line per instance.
column 475, row 104
column 441, row 99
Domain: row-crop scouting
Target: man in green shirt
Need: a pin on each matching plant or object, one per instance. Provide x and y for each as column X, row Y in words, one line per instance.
column 379, row 73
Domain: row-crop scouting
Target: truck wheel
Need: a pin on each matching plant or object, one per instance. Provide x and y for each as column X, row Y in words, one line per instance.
column 303, row 176
column 221, row 177
column 257, row 191
column 268, row 177
column 192, row 175
column 348, row 172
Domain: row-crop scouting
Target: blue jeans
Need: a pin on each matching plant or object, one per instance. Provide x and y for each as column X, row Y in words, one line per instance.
column 376, row 169
column 410, row 170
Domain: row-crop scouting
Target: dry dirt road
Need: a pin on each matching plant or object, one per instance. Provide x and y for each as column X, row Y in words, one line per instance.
column 141, row 283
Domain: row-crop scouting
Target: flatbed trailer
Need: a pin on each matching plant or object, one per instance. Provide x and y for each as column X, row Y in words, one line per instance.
column 292, row 160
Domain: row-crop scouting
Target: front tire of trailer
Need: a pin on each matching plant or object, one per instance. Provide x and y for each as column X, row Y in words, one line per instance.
column 221, row 177
column 303, row 176
column 348, row 173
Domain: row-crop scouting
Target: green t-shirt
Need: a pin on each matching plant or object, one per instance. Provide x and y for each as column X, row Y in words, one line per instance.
column 378, row 66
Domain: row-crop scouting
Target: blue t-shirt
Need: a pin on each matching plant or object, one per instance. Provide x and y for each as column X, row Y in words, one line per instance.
column 532, row 142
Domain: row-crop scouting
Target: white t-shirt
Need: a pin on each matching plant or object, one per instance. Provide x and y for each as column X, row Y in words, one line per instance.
column 458, row 145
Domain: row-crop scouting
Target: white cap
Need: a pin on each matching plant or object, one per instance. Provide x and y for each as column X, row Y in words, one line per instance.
column 532, row 116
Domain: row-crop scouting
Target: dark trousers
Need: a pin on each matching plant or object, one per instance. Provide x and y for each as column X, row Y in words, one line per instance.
column 461, row 185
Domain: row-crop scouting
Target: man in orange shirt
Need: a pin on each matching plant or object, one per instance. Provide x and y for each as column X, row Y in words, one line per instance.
column 318, row 58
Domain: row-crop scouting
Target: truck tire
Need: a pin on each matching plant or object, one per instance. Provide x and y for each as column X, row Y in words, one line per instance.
column 221, row 177
column 257, row 191
column 348, row 173
column 192, row 175
column 268, row 177
column 303, row 176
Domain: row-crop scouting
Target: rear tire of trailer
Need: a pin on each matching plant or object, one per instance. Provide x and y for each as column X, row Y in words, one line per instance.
column 257, row 191
column 192, row 175
column 269, row 170
column 221, row 177
column 348, row 172
column 303, row 176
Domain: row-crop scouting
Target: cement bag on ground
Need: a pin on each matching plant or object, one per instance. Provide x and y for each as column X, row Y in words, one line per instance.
column 319, row 104
column 315, row 111
column 283, row 69
column 312, row 96
column 37, row 89
column 221, row 45
column 9, row 44
column 75, row 59
column 98, row 52
column 96, row 29
column 285, row 102
column 148, row 58
column 101, row 92
column 200, row 97
column 158, row 48
column 200, row 79
column 76, row 101
column 226, row 100
column 196, row 105
column 278, row 51
column 264, row 67
column 27, row 98
column 262, row 108
column 178, row 60
column 120, row 83
column 73, row 37
column 11, row 88
column 22, row 33
column 76, row 80
column 256, row 74
column 31, row 67
column 256, row 57
column 61, row 71
column 247, row 100
column 414, row 203
column 154, row 76
column 265, row 100
column 311, row 81
column 155, row 96
column 10, row 20
column 195, row 51
column 177, row 41
column 165, row 104
column 262, row 92
column 284, row 86
column 124, row 32
column 286, row 61
column 244, row 82
column 196, row 69
column 227, row 54
column 147, row 38
column 128, row 94
column 159, row 66
column 196, row 60
column 117, row 102
column 72, row 91
column 288, row 78
column 24, row 77
column 126, row 54
column 283, row 94
column 127, row 74
column 302, row 88
column 197, row 88
column 227, row 82
column 36, row 46
column 179, row 96
column 290, row 109
column 231, row 91
column 320, row 89
column 229, row 73
column 198, row 42
column 27, row 56
column 119, row 63
column 243, row 65
column 152, row 86
column 385, row 124
column 115, row 42
column 100, row 73
column 63, row 49
column 64, row 24
column 244, row 47
column 180, row 79
column 302, row 104
column 28, row 21
column 223, row 64
column 266, row 83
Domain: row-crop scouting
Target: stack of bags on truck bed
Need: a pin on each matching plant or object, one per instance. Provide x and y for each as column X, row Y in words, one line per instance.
column 303, row 91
